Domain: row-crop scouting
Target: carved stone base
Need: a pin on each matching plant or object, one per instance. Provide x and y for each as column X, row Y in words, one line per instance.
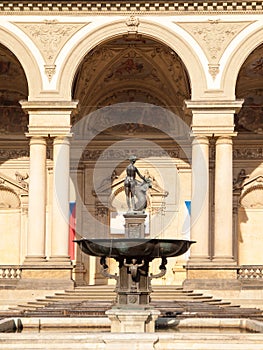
column 135, row 224
column 132, row 320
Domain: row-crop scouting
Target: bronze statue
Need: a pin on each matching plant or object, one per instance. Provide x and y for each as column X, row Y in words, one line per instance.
column 134, row 188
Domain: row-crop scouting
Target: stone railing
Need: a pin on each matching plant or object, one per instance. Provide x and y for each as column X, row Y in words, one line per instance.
column 250, row 272
column 10, row 272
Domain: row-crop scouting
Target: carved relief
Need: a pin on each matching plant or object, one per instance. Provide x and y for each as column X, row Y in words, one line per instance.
column 19, row 185
column 50, row 36
column 248, row 152
column 252, row 196
column 8, row 198
column 132, row 23
column 21, row 179
column 14, row 153
column 214, row 37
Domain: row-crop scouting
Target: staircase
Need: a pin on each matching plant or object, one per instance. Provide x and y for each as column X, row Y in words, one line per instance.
column 93, row 301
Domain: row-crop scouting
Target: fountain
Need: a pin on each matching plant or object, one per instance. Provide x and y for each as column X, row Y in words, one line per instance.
column 132, row 311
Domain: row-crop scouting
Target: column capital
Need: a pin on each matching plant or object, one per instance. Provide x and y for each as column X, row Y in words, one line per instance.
column 49, row 118
column 214, row 117
column 224, row 139
column 200, row 138
column 46, row 106
column 36, row 139
column 61, row 139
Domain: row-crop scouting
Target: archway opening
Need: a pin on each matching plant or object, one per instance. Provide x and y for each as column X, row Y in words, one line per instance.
column 248, row 158
column 131, row 93
column 14, row 158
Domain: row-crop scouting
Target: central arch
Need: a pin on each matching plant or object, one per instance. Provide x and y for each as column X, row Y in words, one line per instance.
column 118, row 28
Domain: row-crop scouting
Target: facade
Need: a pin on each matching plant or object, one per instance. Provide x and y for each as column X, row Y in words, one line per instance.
column 86, row 84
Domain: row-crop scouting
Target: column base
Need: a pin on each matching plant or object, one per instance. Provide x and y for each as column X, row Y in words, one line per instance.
column 61, row 260
column 34, row 259
column 200, row 260
column 225, row 261
column 133, row 320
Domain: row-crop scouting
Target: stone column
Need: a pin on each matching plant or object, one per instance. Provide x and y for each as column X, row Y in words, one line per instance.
column 60, row 209
column 37, row 201
column 200, row 200
column 223, row 238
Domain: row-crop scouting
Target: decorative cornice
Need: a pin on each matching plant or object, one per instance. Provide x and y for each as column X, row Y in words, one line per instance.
column 113, row 6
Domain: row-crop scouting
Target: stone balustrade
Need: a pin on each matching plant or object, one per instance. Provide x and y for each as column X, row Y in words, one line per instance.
column 250, row 272
column 10, row 272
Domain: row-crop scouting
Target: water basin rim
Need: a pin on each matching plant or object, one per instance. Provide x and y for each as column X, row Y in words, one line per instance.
column 139, row 240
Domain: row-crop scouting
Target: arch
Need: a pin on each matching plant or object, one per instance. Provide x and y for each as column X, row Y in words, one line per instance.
column 236, row 60
column 113, row 30
column 26, row 59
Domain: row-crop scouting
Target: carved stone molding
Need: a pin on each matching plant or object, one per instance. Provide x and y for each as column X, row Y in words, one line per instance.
column 214, row 37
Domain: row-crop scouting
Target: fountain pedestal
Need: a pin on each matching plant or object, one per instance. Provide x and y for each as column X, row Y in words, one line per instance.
column 132, row 320
column 132, row 312
column 135, row 224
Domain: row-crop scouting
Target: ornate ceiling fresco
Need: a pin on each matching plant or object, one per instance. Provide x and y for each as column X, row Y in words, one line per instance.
column 132, row 70
column 13, row 88
column 250, row 88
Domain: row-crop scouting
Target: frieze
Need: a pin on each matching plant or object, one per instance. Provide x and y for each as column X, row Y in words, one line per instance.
column 248, row 153
column 92, row 155
column 13, row 153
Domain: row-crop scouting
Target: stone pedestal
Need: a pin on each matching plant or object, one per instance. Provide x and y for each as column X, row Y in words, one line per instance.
column 132, row 320
column 46, row 276
column 135, row 224
column 211, row 277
